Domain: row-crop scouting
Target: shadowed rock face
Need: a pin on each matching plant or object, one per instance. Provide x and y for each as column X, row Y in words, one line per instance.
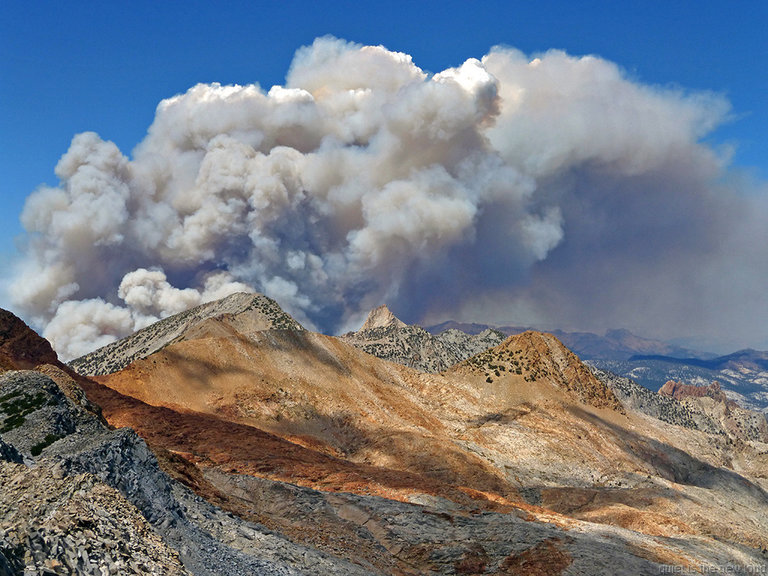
column 20, row 347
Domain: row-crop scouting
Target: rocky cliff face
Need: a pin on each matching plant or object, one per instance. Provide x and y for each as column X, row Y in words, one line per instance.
column 385, row 336
column 680, row 391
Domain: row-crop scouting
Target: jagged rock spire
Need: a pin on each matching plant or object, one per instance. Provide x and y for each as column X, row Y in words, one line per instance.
column 382, row 317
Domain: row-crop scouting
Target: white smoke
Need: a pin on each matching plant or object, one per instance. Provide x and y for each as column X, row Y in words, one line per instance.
column 80, row 326
column 363, row 179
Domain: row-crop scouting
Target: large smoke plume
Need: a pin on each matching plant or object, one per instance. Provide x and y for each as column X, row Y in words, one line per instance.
column 554, row 190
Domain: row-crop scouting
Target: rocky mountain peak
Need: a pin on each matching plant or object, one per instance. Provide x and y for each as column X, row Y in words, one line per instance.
column 241, row 312
column 539, row 356
column 389, row 338
column 382, row 317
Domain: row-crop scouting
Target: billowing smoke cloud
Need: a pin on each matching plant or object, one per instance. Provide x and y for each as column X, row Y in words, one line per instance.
column 554, row 190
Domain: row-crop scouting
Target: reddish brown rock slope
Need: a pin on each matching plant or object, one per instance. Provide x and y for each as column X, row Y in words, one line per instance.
column 20, row 347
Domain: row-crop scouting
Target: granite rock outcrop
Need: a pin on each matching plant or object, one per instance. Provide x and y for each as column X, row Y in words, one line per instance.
column 385, row 336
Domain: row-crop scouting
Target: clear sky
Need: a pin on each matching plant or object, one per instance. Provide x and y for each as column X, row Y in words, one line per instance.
column 70, row 67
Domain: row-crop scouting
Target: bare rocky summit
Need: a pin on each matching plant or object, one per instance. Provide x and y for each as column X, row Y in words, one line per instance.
column 381, row 317
column 385, row 336
column 242, row 312
column 539, row 356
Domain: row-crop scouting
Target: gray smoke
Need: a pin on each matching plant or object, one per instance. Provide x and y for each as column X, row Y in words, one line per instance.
column 552, row 190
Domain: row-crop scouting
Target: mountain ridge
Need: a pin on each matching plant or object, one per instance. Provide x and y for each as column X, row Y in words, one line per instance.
column 373, row 467
column 265, row 314
column 315, row 390
column 758, row 358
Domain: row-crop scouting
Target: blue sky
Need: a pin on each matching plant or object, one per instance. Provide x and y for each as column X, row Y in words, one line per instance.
column 70, row 67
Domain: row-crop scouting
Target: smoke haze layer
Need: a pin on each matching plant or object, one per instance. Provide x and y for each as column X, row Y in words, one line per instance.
column 553, row 190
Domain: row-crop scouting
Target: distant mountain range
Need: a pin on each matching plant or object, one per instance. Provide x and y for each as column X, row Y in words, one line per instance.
column 614, row 345
column 751, row 359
